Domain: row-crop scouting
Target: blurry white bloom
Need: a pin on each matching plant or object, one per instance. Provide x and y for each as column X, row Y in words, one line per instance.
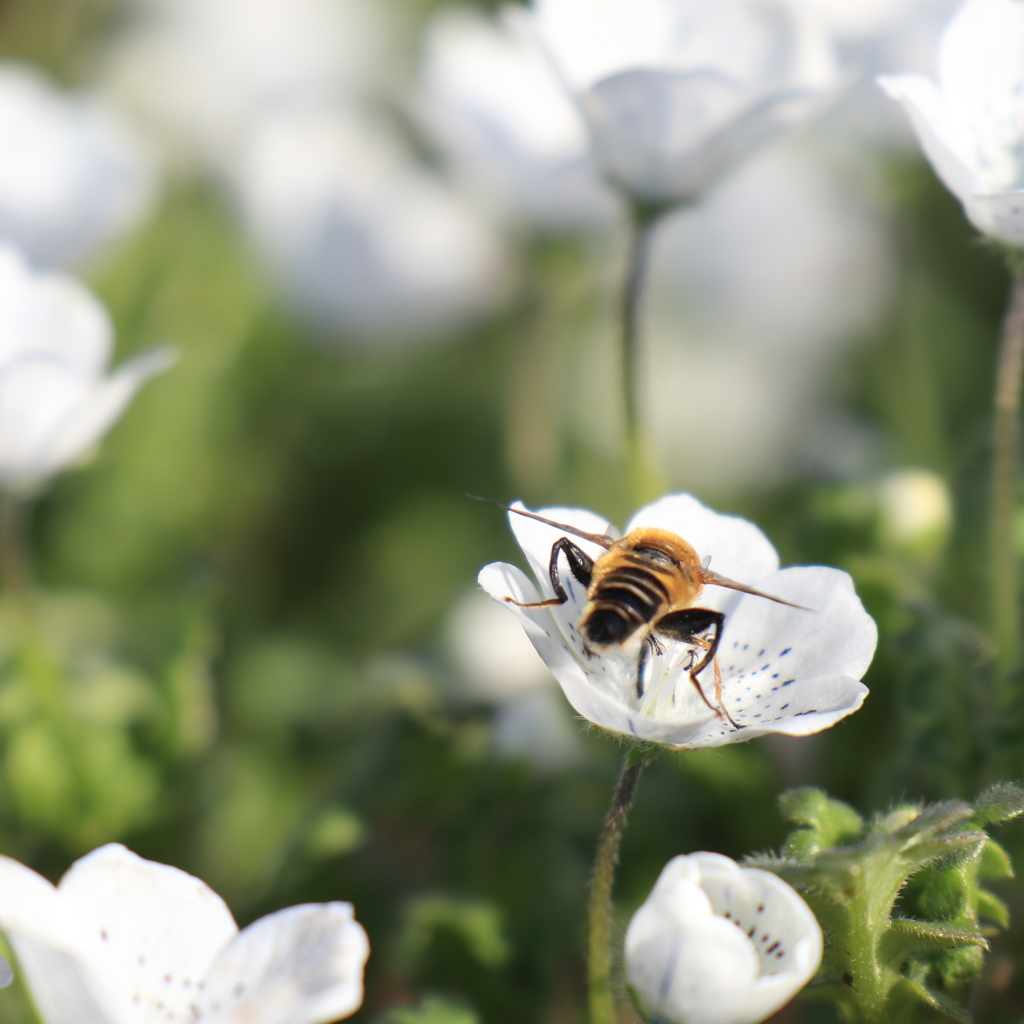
column 56, row 399
column 362, row 238
column 784, row 670
column 971, row 122
column 755, row 295
column 124, row 940
column 491, row 101
column 915, row 509
column 73, row 176
column 492, row 652
column 715, row 943
column 499, row 664
column 202, row 71
column 678, row 92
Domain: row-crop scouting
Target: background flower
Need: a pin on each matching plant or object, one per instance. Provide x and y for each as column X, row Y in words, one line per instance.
column 56, row 400
column 969, row 121
column 74, row 175
column 676, row 94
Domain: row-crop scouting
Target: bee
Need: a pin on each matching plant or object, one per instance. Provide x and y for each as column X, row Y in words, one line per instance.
column 646, row 585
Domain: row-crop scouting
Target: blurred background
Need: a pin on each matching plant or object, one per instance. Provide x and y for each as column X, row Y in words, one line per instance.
column 373, row 233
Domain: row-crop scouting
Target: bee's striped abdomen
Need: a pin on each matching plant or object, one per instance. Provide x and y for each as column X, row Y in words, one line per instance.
column 624, row 599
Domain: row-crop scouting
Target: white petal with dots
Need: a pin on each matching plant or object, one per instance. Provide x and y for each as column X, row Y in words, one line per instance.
column 785, row 670
column 123, row 940
column 715, row 943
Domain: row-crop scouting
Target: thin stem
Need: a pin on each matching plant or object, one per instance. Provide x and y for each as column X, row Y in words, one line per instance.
column 644, row 478
column 1005, row 596
column 602, row 1000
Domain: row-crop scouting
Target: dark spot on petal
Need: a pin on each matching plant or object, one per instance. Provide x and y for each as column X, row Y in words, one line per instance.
column 760, row 908
column 788, row 681
column 142, row 961
column 239, row 989
column 786, row 651
column 774, row 946
column 750, row 934
column 103, row 934
column 167, row 978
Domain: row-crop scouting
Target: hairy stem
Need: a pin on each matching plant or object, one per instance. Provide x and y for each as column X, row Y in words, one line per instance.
column 643, row 475
column 1004, row 581
column 602, row 999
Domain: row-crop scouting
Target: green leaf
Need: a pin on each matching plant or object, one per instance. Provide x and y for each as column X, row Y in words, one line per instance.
column 905, row 936
column 995, row 862
column 999, row 803
column 477, row 923
column 914, row 991
column 993, row 908
column 826, row 822
column 433, row 1011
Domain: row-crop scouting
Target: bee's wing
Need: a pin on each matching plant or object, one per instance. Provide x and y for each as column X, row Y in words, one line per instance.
column 707, row 576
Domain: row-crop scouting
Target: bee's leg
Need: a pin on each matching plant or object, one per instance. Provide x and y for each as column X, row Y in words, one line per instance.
column 719, row 699
column 580, row 565
column 688, row 626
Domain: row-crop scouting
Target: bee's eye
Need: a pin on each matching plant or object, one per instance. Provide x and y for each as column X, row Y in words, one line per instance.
column 656, row 556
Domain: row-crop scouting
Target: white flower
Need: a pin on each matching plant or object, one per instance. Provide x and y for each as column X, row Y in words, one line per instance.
column 73, row 176
column 490, row 99
column 678, row 92
column 715, row 943
column 971, row 122
column 56, row 400
column 755, row 294
column 784, row 670
column 203, row 71
column 361, row 237
column 124, row 940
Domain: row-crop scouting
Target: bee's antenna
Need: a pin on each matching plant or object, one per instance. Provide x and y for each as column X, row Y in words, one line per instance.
column 707, row 576
column 595, row 538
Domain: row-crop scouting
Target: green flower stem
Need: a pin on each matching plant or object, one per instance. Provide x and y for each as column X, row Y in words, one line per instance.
column 1004, row 575
column 644, row 478
column 15, row 576
column 599, row 961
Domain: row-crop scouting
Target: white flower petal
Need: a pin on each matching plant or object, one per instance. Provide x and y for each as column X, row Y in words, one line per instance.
column 303, row 965
column 923, row 103
column 148, row 931
column 998, row 216
column 718, row 944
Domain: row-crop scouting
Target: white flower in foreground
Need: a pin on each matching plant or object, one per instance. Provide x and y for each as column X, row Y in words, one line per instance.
column 678, row 92
column 971, row 122
column 56, row 398
column 783, row 669
column 73, row 175
column 362, row 238
column 122, row 940
column 505, row 125
column 715, row 943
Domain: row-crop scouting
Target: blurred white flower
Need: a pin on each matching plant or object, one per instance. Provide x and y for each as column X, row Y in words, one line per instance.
column 755, row 294
column 73, row 175
column 971, row 122
column 124, row 940
column 715, row 943
column 202, row 71
column 678, row 92
column 492, row 103
column 915, row 510
column 784, row 670
column 56, row 399
column 498, row 663
column 362, row 238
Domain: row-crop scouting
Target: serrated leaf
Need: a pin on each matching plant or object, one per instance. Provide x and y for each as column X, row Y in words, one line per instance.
column 905, row 936
column 999, row 803
column 995, row 862
column 993, row 908
column 934, row 819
